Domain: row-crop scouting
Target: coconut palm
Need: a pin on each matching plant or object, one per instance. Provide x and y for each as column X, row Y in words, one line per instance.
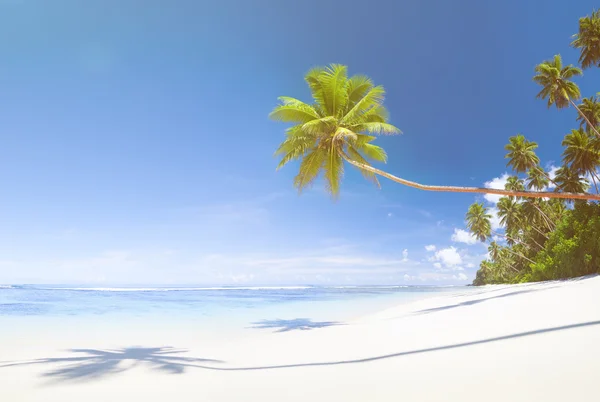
column 479, row 221
column 337, row 127
column 590, row 108
column 521, row 154
column 537, row 179
column 345, row 111
column 570, row 181
column 588, row 40
column 509, row 212
column 557, row 86
column 581, row 154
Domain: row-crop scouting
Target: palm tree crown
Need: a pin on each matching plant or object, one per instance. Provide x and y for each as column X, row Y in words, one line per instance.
column 521, row 154
column 590, row 112
column 478, row 221
column 334, row 127
column 588, row 40
column 555, row 82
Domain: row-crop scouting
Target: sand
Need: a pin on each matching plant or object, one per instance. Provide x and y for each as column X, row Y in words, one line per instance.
column 530, row 342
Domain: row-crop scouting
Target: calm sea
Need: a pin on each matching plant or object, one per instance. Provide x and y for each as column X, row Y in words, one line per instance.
column 328, row 303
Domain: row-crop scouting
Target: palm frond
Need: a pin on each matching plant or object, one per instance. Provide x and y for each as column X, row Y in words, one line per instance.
column 334, row 170
column 294, row 113
column 334, row 81
column 376, row 128
column 310, row 167
column 371, row 99
column 372, row 152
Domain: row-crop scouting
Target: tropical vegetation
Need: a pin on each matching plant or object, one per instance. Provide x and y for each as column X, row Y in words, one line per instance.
column 549, row 219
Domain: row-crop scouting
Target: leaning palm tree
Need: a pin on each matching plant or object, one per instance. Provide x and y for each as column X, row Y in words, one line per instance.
column 590, row 108
column 335, row 127
column 588, row 40
column 557, row 86
column 338, row 126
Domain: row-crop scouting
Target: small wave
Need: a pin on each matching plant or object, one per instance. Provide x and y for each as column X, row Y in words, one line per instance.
column 6, row 287
column 183, row 289
column 370, row 287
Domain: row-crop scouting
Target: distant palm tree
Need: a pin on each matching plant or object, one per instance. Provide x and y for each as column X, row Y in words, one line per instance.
column 590, row 108
column 521, row 154
column 588, row 40
column 509, row 212
column 537, row 179
column 582, row 154
column 478, row 221
column 570, row 181
column 557, row 86
column 337, row 127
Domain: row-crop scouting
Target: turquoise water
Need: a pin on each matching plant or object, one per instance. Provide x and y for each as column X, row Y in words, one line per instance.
column 251, row 303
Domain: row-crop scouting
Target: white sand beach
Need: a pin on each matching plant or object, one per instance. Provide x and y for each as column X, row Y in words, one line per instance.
column 530, row 342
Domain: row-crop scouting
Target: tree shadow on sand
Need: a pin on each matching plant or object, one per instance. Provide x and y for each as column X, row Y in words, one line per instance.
column 477, row 301
column 94, row 364
column 301, row 324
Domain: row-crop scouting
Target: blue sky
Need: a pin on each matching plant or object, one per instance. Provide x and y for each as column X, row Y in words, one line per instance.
column 136, row 146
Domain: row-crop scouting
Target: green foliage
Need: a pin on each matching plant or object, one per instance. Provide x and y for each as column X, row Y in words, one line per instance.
column 587, row 40
column 550, row 239
column 555, row 82
column 334, row 127
column 573, row 249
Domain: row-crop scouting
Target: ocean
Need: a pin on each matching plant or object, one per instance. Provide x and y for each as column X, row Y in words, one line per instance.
column 239, row 305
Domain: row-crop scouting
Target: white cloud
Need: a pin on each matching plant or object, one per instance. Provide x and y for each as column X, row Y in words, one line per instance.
column 495, row 220
column 497, row 183
column 449, row 257
column 470, row 265
column 462, row 236
column 552, row 174
column 390, row 214
column 438, row 265
column 430, row 247
column 405, row 255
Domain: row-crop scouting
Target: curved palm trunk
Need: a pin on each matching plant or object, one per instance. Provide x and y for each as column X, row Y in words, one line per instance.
column 586, row 119
column 478, row 190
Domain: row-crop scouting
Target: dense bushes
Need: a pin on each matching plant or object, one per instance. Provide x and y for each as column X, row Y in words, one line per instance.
column 573, row 248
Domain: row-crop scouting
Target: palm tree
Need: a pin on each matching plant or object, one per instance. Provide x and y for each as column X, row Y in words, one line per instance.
column 590, row 108
column 521, row 154
column 581, row 154
column 336, row 126
column 570, row 181
column 478, row 221
column 345, row 110
column 537, row 179
column 509, row 212
column 557, row 86
column 588, row 40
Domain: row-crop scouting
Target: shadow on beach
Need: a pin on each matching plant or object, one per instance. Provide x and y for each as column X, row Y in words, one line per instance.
column 301, row 324
column 96, row 363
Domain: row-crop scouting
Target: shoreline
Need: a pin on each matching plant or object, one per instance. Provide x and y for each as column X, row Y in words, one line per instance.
column 539, row 341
